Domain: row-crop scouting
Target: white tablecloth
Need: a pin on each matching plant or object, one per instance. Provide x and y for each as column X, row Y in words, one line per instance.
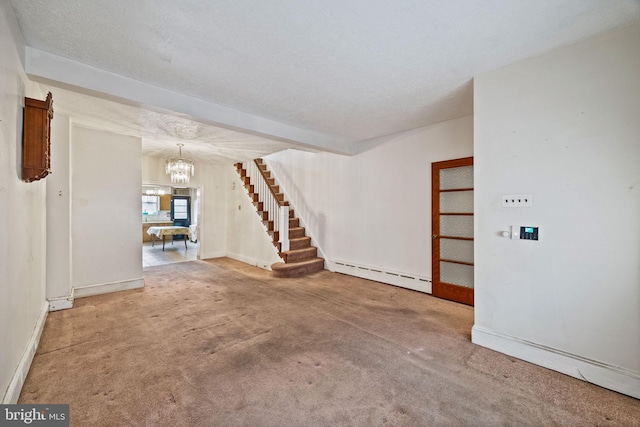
column 193, row 233
column 167, row 231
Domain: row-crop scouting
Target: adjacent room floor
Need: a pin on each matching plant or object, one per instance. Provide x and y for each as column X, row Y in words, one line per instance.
column 221, row 343
column 173, row 252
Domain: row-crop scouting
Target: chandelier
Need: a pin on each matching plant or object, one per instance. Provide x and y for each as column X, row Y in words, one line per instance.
column 181, row 170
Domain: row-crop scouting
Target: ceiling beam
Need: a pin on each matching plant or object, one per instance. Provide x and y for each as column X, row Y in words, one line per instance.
column 59, row 71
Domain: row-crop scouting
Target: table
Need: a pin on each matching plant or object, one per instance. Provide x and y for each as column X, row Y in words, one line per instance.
column 167, row 231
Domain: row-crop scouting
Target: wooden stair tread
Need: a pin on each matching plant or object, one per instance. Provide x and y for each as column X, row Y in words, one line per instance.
column 298, row 255
column 294, row 251
column 299, row 243
column 296, row 232
column 280, row 269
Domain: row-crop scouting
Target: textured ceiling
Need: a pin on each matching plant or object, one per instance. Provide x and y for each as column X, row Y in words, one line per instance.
column 356, row 69
column 161, row 131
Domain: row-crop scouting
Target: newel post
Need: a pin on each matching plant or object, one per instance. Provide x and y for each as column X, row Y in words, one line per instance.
column 284, row 228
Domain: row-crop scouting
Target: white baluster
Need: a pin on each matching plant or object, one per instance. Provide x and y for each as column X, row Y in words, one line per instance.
column 284, row 228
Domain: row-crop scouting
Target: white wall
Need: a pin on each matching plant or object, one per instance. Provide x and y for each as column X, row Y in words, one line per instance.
column 212, row 181
column 247, row 238
column 59, row 283
column 106, row 181
column 565, row 128
column 373, row 209
column 22, row 221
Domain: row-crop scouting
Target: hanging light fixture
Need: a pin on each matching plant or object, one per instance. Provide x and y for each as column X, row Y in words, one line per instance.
column 181, row 170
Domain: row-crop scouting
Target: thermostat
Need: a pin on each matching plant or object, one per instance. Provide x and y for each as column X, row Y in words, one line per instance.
column 524, row 232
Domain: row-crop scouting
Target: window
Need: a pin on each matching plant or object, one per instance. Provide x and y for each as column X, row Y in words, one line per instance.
column 150, row 204
column 180, row 208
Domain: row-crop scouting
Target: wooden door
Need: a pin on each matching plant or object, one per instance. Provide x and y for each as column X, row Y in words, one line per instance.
column 452, row 229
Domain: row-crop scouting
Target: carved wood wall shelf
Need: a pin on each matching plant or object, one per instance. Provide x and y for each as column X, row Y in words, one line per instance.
column 36, row 138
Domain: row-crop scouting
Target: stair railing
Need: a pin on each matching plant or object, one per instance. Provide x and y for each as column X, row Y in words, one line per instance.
column 277, row 210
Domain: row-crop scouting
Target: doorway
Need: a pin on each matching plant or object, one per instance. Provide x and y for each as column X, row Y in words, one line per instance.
column 452, row 229
column 176, row 206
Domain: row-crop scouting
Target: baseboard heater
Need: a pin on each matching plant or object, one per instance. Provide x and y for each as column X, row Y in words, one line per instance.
column 404, row 280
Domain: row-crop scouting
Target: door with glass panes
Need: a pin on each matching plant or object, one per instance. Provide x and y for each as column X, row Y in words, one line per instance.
column 452, row 229
column 180, row 213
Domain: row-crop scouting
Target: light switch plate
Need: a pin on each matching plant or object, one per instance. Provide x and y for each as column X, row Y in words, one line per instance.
column 517, row 201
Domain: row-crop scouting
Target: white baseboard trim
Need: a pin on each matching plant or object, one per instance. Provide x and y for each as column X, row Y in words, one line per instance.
column 608, row 376
column 251, row 261
column 216, row 254
column 17, row 381
column 61, row 303
column 403, row 280
column 105, row 288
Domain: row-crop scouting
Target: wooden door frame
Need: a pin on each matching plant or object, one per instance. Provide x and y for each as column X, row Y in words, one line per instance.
column 444, row 290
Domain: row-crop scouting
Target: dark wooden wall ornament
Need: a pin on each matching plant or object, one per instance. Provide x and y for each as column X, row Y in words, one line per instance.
column 36, row 138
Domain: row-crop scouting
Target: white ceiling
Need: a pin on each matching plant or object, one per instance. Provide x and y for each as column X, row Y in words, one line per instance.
column 352, row 70
column 161, row 131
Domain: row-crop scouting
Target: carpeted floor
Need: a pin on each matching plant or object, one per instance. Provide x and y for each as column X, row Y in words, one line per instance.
column 221, row 343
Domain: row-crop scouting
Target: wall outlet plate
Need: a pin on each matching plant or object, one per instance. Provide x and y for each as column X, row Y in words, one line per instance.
column 517, row 201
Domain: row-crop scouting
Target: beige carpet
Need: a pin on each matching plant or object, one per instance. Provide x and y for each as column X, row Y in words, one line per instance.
column 221, row 343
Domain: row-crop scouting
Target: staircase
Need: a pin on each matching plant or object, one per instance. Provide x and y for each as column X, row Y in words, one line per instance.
column 301, row 258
